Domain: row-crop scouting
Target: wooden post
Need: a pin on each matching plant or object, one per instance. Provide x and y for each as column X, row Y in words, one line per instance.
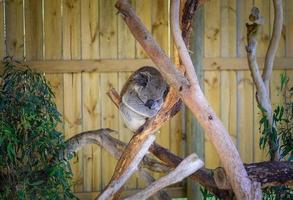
column 194, row 132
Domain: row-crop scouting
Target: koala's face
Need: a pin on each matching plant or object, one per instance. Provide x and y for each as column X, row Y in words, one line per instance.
column 150, row 87
column 144, row 92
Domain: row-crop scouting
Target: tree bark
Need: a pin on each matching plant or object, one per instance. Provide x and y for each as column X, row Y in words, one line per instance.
column 191, row 94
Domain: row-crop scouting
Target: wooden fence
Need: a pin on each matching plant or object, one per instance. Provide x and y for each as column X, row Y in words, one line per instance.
column 84, row 47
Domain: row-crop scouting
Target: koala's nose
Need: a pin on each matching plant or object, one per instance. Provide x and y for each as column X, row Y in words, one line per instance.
column 150, row 104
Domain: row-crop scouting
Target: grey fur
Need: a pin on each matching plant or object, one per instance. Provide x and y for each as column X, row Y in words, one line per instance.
column 142, row 97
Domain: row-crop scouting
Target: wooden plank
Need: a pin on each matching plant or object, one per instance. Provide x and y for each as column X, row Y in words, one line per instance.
column 91, row 98
column 241, row 63
column 71, row 29
column 91, row 120
column 52, row 30
column 264, row 33
column 176, row 141
column 73, row 122
column 192, row 132
column 91, row 94
column 2, row 33
column 243, row 10
column 160, row 24
column 52, row 50
column 109, row 120
column 124, row 133
column 33, row 30
column 229, row 102
column 245, row 116
column 212, row 93
column 289, row 28
column 130, row 65
column 72, row 84
column 108, row 29
column 90, row 29
column 144, row 11
column 228, row 28
column 126, row 42
column 14, row 28
column 108, row 49
column 212, row 29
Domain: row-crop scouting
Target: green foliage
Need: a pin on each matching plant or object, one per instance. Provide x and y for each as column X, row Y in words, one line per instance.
column 277, row 193
column 206, row 195
column 282, row 129
column 32, row 165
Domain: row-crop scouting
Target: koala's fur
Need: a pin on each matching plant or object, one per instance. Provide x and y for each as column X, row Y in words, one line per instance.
column 142, row 96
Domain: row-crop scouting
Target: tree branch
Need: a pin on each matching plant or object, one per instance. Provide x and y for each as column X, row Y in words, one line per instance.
column 267, row 173
column 274, row 42
column 188, row 166
column 116, row 184
column 262, row 94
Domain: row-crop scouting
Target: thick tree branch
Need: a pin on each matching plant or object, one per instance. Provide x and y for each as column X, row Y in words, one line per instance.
column 116, row 184
column 197, row 103
column 274, row 42
column 267, row 173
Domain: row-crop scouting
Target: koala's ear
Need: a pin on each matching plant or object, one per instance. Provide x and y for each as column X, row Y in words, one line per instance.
column 141, row 78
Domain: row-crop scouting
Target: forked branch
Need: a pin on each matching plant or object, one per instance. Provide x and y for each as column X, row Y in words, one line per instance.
column 262, row 82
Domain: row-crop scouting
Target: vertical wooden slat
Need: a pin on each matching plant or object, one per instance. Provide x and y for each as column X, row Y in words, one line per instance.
column 243, row 12
column 72, row 83
column 90, row 29
column 289, row 28
column 33, row 30
column 72, row 122
column 264, row 33
column 52, row 47
column 229, row 102
column 144, row 11
column 108, row 28
column 91, row 93
column 228, row 28
column 2, row 36
column 109, row 120
column 108, row 49
column 14, row 28
column 91, row 120
column 245, row 116
column 71, row 29
column 212, row 92
column 212, row 29
column 126, row 42
column 52, row 30
column 192, row 132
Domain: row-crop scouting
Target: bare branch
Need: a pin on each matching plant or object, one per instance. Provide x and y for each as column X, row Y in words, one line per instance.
column 274, row 42
column 188, row 166
column 262, row 94
column 116, row 184
column 160, row 195
column 198, row 104
column 267, row 173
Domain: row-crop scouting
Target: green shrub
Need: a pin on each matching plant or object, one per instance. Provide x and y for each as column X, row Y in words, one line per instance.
column 32, row 165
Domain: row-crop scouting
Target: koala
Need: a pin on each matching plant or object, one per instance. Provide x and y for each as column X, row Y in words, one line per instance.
column 142, row 97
